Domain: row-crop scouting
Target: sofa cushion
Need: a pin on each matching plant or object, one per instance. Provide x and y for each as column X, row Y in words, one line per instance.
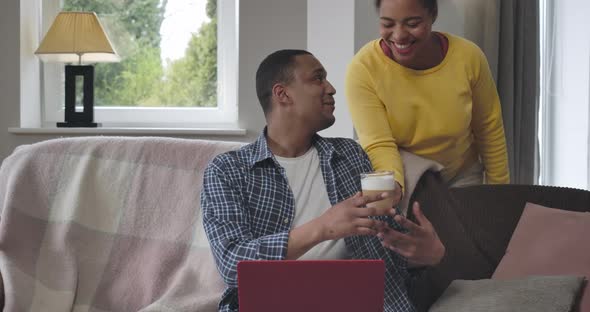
column 549, row 242
column 536, row 293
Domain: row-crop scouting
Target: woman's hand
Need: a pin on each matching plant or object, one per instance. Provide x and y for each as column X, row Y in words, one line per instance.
column 421, row 245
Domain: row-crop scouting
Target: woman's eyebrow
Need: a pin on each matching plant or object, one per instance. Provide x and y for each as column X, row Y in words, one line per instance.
column 389, row 19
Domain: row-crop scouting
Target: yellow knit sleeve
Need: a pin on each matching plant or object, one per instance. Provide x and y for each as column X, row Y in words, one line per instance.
column 370, row 120
column 487, row 125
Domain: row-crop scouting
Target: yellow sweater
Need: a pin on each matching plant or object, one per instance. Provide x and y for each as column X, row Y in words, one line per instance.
column 449, row 113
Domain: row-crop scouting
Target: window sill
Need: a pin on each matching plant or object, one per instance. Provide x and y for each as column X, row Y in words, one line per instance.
column 130, row 131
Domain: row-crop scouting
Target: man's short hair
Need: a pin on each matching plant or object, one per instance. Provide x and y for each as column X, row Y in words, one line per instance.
column 275, row 68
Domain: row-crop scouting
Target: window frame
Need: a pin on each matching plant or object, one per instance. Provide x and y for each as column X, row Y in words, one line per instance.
column 225, row 114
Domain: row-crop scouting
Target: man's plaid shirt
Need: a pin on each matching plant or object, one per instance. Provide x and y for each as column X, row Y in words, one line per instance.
column 248, row 209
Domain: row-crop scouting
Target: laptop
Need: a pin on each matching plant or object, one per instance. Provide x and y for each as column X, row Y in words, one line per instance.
column 311, row 285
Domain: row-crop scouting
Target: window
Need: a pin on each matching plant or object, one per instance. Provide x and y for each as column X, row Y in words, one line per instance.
column 565, row 93
column 178, row 68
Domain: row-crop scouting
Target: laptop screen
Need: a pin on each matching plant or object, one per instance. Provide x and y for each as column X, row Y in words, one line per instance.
column 311, row 285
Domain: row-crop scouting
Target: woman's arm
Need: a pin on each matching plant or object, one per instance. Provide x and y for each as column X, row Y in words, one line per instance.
column 370, row 120
column 487, row 125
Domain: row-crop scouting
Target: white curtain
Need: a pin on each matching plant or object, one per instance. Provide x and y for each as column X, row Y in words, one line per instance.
column 565, row 93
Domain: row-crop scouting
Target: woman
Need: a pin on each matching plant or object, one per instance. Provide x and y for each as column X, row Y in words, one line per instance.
column 429, row 93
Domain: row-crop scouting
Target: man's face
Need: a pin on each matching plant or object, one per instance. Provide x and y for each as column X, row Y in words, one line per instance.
column 311, row 95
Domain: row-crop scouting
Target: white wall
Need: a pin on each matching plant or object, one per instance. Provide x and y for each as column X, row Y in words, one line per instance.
column 9, row 73
column 339, row 33
column 366, row 23
column 265, row 26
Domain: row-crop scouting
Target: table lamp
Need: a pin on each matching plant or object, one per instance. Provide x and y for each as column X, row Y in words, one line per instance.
column 77, row 38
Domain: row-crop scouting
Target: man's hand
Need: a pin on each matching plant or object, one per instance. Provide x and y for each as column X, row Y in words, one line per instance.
column 350, row 217
column 344, row 219
column 421, row 245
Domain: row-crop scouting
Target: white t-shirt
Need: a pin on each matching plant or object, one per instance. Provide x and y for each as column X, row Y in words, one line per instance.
column 311, row 200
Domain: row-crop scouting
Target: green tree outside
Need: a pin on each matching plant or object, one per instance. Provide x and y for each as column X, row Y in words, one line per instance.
column 192, row 80
column 140, row 79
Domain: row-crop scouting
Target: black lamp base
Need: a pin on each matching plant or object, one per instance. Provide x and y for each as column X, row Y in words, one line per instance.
column 77, row 125
column 73, row 117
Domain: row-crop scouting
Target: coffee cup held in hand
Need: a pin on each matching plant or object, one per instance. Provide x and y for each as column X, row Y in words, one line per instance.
column 375, row 183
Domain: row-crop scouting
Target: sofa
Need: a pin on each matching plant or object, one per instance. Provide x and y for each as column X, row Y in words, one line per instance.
column 114, row 224
column 480, row 227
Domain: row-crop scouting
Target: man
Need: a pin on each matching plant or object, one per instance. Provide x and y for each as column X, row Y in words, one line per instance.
column 294, row 195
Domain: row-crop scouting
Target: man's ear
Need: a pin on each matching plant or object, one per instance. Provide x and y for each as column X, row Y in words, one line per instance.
column 279, row 91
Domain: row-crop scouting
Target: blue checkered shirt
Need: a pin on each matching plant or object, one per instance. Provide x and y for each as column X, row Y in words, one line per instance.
column 248, row 210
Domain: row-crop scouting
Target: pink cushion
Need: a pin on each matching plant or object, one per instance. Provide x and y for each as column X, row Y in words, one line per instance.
column 549, row 241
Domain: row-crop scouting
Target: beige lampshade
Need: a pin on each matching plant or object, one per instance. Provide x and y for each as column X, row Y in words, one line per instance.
column 76, row 37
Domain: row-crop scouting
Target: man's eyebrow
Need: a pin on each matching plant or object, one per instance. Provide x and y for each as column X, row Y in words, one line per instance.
column 320, row 70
